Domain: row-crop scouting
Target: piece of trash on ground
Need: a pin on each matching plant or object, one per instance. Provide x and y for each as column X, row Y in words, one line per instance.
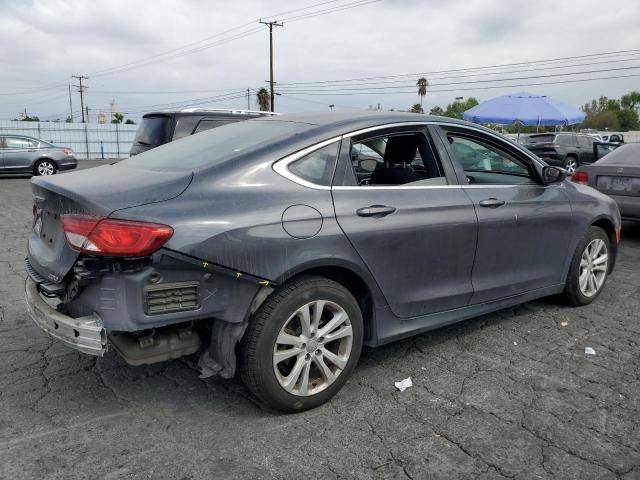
column 564, row 324
column 589, row 351
column 402, row 385
column 515, row 343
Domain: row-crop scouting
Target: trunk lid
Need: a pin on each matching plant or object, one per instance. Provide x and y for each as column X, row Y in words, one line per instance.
column 99, row 192
column 617, row 179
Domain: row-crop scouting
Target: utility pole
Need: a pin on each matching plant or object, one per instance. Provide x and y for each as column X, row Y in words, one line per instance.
column 248, row 100
column 81, row 89
column 70, row 105
column 271, row 25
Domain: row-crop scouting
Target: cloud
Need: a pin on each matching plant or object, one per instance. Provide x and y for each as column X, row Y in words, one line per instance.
column 43, row 42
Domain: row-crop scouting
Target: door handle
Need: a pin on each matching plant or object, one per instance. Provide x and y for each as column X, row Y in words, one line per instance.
column 492, row 203
column 376, row 211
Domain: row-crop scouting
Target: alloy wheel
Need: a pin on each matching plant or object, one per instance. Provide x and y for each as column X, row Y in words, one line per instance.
column 312, row 348
column 45, row 168
column 594, row 264
column 571, row 166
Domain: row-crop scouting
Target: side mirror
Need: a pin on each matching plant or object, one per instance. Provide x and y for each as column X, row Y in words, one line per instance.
column 553, row 174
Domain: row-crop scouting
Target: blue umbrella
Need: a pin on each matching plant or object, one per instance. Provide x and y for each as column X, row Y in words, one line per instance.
column 525, row 108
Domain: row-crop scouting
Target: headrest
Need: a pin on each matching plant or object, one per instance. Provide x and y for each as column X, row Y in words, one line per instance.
column 401, row 149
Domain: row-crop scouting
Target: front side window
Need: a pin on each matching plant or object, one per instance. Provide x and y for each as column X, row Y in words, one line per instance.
column 484, row 163
column 317, row 167
column 397, row 159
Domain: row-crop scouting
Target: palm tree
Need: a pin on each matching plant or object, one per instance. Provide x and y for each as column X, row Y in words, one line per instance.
column 262, row 96
column 422, row 85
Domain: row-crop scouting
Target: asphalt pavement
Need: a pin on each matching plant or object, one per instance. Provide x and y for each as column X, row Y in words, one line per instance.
column 506, row 395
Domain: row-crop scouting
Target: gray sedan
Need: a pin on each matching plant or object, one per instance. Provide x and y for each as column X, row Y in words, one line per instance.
column 22, row 154
column 272, row 245
column 617, row 175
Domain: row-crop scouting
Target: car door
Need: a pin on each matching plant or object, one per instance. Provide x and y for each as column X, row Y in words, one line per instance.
column 524, row 226
column 417, row 239
column 585, row 144
column 18, row 153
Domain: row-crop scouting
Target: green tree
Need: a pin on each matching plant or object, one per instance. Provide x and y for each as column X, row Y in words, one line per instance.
column 117, row 117
column 458, row 107
column 422, row 85
column 436, row 111
column 263, row 99
column 417, row 108
column 627, row 119
column 631, row 100
column 129, row 122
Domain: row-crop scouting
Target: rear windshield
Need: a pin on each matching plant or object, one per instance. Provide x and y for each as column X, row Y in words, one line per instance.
column 541, row 138
column 152, row 131
column 214, row 146
column 628, row 154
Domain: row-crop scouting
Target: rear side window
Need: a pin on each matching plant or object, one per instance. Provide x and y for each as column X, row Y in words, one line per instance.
column 12, row 142
column 541, row 138
column 152, row 131
column 209, row 124
column 585, row 142
column 185, row 126
column 566, row 140
column 317, row 167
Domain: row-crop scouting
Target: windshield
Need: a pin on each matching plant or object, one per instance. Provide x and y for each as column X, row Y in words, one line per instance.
column 214, row 146
column 152, row 131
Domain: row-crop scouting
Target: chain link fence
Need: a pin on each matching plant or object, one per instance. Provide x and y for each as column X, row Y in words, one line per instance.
column 89, row 141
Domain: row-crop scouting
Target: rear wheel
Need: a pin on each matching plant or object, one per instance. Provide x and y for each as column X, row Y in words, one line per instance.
column 302, row 344
column 570, row 165
column 45, row 166
column 589, row 268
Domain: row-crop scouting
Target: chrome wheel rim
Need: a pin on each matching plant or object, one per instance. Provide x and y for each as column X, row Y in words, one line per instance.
column 593, row 267
column 312, row 348
column 571, row 166
column 45, row 168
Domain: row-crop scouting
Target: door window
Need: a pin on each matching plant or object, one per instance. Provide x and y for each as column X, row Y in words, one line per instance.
column 184, row 126
column 585, row 142
column 566, row 140
column 209, row 124
column 484, row 163
column 398, row 159
column 316, row 167
column 14, row 142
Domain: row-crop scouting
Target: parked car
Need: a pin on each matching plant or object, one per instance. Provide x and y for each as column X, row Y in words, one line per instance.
column 613, row 138
column 22, row 154
column 271, row 243
column 567, row 150
column 617, row 175
column 600, row 149
column 158, row 128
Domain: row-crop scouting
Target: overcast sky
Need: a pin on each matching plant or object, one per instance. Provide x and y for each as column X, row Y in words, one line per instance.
column 43, row 42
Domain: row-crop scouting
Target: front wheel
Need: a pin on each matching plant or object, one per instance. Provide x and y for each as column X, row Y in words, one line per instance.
column 589, row 268
column 302, row 344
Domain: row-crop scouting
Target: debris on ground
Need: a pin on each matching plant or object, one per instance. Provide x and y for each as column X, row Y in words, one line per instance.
column 589, row 351
column 564, row 323
column 402, row 385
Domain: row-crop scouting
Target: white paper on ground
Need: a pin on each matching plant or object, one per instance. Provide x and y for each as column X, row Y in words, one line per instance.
column 589, row 351
column 402, row 385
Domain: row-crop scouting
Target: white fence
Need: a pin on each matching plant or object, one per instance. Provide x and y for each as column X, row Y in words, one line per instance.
column 89, row 141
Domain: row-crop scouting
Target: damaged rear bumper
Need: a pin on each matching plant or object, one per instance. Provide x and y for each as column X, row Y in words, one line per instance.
column 85, row 334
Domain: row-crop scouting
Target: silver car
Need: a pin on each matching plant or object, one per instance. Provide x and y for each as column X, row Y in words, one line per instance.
column 22, row 154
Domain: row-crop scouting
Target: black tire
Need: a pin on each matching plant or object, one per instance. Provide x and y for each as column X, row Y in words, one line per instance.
column 52, row 167
column 572, row 294
column 570, row 164
column 258, row 343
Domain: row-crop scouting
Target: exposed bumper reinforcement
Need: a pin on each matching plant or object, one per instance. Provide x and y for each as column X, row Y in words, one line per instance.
column 86, row 334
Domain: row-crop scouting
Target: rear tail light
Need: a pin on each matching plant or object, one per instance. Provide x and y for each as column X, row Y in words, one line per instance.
column 67, row 151
column 112, row 237
column 580, row 177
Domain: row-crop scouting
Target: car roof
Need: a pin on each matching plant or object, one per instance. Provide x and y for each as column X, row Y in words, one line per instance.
column 349, row 121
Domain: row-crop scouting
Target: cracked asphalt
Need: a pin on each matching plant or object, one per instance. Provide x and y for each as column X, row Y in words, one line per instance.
column 506, row 395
